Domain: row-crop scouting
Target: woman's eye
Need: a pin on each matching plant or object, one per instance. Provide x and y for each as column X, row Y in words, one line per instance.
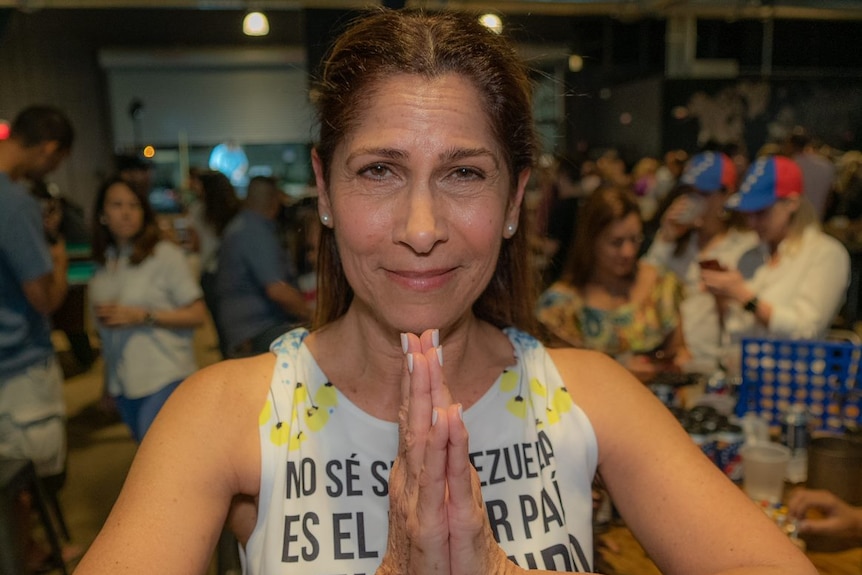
column 375, row 171
column 467, row 174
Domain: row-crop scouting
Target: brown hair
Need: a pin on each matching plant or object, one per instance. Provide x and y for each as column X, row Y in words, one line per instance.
column 219, row 199
column 387, row 43
column 605, row 206
column 143, row 244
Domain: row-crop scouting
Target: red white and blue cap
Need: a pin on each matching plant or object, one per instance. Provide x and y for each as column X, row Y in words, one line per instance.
column 709, row 172
column 767, row 181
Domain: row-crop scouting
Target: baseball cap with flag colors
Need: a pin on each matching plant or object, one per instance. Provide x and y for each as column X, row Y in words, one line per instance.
column 767, row 181
column 709, row 172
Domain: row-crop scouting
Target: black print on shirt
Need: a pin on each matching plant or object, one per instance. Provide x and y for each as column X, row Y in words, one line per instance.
column 520, row 516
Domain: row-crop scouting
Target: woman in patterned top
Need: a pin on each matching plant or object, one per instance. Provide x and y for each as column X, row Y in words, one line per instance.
column 418, row 428
column 609, row 300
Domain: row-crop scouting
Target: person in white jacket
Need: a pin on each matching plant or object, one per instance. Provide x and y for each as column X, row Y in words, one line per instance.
column 696, row 230
column 801, row 284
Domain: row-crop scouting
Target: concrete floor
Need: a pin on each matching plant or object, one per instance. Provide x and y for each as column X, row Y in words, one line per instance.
column 100, row 447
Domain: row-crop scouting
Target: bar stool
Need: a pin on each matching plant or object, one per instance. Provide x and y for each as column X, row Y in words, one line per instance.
column 51, row 486
column 17, row 476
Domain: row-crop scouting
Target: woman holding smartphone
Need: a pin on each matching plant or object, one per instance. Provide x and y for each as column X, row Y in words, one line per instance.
column 698, row 233
column 801, row 283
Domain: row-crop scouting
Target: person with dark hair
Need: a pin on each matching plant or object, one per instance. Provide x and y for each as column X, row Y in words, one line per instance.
column 696, row 231
column 146, row 303
column 562, row 217
column 610, row 301
column 819, row 173
column 258, row 298
column 135, row 170
column 417, row 428
column 209, row 215
column 33, row 285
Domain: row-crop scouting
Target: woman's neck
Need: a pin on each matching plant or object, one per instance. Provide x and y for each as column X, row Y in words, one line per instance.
column 706, row 244
column 710, row 233
column 364, row 360
column 774, row 245
column 614, row 285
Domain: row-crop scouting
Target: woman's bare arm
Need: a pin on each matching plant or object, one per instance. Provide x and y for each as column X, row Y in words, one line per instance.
column 201, row 451
column 690, row 518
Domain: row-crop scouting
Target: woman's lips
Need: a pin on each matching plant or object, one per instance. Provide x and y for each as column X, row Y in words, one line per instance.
column 421, row 280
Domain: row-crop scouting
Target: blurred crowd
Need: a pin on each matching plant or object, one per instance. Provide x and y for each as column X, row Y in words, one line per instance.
column 668, row 262
column 662, row 263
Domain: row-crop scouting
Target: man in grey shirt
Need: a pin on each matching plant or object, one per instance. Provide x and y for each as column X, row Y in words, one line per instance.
column 258, row 299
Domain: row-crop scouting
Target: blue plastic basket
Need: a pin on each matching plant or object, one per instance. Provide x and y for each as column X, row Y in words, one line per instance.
column 823, row 375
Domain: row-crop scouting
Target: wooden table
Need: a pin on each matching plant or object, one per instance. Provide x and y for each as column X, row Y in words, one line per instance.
column 620, row 554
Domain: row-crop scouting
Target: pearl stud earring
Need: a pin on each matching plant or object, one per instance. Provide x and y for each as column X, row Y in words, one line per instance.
column 324, row 218
column 510, row 229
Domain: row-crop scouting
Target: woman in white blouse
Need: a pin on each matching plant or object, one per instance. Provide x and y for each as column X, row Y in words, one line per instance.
column 800, row 285
column 146, row 303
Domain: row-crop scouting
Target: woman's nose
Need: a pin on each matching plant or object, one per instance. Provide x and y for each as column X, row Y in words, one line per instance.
column 421, row 227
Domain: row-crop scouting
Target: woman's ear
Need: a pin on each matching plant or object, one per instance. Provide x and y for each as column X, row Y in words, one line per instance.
column 793, row 203
column 513, row 211
column 324, row 207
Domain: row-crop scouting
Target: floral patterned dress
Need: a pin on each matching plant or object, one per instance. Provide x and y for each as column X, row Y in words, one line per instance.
column 631, row 328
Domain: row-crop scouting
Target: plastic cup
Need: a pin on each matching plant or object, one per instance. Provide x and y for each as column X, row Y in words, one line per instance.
column 763, row 468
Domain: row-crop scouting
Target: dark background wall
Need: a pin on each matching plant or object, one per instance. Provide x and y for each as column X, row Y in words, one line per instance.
column 52, row 56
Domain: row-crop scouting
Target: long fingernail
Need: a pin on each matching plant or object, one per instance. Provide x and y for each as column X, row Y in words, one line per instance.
column 435, row 338
column 433, row 418
column 440, row 355
column 404, row 342
column 410, row 362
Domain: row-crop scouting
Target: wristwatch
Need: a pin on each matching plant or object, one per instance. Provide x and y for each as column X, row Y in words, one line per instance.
column 150, row 318
column 751, row 305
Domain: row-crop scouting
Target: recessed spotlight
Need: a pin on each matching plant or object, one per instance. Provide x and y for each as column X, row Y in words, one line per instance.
column 492, row 22
column 255, row 24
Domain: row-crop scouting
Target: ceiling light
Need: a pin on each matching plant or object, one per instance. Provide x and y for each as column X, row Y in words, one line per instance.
column 255, row 24
column 492, row 22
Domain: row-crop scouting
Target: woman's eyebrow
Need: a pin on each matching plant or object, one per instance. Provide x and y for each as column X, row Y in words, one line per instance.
column 456, row 154
column 391, row 153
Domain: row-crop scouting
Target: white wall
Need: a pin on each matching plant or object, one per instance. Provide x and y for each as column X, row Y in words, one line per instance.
column 254, row 96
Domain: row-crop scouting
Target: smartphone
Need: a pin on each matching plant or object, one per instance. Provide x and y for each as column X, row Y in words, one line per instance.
column 712, row 264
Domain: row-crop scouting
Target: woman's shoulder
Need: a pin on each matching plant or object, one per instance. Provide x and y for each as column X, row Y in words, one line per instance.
column 558, row 293
column 167, row 249
column 573, row 362
column 652, row 278
column 590, row 376
column 815, row 247
column 825, row 242
column 225, row 395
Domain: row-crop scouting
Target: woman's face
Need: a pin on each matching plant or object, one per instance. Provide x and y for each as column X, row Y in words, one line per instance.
column 715, row 204
column 773, row 223
column 419, row 199
column 122, row 213
column 618, row 245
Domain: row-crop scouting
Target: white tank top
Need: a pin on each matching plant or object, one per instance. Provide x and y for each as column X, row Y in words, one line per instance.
column 325, row 464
